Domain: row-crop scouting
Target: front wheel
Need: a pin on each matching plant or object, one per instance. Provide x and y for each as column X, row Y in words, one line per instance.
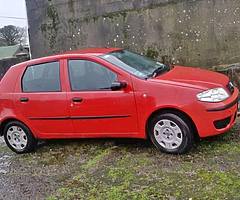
column 18, row 137
column 170, row 133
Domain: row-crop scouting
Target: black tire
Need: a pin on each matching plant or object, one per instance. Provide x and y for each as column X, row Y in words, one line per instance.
column 31, row 142
column 187, row 136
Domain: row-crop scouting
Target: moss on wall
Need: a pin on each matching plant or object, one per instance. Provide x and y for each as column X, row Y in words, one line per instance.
column 151, row 53
column 186, row 32
column 50, row 29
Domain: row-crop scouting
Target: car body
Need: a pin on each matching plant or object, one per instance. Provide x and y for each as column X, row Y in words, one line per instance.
column 71, row 110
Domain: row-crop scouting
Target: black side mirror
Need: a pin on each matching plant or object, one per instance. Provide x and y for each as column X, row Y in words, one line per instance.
column 118, row 85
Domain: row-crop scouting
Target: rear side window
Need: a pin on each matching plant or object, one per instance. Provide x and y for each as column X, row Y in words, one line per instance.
column 42, row 78
column 87, row 75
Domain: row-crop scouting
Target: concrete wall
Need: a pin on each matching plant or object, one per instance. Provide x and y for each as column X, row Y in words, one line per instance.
column 189, row 32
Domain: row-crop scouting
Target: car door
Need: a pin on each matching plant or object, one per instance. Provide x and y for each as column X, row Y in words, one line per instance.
column 95, row 109
column 41, row 99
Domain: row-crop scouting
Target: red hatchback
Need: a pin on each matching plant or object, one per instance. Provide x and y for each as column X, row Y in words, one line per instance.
column 107, row 92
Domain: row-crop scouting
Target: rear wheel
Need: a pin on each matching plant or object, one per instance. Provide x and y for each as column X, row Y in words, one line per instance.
column 19, row 138
column 170, row 133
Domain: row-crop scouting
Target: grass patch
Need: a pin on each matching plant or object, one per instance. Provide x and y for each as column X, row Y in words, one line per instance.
column 129, row 172
column 100, row 169
column 4, row 148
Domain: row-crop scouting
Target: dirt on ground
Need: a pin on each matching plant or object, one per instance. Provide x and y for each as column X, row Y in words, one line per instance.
column 122, row 169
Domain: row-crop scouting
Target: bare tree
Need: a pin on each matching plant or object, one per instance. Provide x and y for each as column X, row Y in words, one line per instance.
column 11, row 35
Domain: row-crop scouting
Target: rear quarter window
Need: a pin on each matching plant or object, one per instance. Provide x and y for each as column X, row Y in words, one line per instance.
column 42, row 78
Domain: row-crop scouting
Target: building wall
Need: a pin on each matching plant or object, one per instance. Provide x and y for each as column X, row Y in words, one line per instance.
column 187, row 32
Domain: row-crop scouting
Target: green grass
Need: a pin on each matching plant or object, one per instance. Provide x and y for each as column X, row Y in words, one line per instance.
column 102, row 169
column 211, row 171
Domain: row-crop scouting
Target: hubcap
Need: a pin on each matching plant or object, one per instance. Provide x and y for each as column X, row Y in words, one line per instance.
column 16, row 137
column 168, row 134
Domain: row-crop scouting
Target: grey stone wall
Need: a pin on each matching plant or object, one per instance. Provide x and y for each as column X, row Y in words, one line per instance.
column 187, row 32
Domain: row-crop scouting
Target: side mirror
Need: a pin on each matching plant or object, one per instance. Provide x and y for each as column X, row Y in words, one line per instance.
column 118, row 85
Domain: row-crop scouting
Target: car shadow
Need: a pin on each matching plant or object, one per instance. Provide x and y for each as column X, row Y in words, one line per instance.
column 126, row 142
column 201, row 146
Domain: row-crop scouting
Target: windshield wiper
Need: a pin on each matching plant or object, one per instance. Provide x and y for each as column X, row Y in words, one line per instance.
column 157, row 71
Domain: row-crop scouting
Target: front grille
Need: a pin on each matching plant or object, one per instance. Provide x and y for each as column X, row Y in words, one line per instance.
column 219, row 124
column 230, row 87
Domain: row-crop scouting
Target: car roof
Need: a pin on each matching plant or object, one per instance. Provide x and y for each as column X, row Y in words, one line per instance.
column 87, row 52
column 93, row 51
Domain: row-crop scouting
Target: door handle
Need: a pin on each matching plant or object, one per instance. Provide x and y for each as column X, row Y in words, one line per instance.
column 77, row 99
column 24, row 99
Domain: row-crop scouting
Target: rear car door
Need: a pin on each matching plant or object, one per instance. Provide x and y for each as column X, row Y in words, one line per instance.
column 95, row 109
column 41, row 99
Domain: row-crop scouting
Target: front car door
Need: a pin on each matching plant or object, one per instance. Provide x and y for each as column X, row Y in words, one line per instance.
column 95, row 109
column 42, row 101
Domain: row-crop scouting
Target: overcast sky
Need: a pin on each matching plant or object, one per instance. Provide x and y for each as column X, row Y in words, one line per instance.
column 11, row 9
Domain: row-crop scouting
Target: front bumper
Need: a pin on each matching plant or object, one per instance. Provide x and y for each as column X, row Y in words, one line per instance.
column 215, row 118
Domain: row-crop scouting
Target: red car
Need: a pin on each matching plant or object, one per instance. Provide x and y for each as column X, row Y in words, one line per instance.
column 110, row 92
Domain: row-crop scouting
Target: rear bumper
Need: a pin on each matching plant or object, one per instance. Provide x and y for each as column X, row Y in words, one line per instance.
column 216, row 118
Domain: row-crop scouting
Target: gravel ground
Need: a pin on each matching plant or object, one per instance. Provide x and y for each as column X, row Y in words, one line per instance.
column 122, row 169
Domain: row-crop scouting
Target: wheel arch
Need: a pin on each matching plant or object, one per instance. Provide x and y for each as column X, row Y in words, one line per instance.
column 177, row 112
column 6, row 121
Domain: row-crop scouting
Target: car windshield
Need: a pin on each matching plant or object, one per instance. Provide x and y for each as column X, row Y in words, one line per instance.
column 135, row 64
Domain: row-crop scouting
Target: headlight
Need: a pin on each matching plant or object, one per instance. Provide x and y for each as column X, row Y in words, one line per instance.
column 213, row 95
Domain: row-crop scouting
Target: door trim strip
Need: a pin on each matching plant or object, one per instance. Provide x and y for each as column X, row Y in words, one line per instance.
column 80, row 117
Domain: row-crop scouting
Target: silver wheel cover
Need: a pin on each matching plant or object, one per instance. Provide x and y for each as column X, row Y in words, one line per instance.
column 17, row 138
column 168, row 134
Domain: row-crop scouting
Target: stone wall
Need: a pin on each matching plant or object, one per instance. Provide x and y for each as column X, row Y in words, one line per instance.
column 187, row 32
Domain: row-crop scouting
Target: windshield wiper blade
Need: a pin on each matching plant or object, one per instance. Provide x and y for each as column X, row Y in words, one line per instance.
column 158, row 71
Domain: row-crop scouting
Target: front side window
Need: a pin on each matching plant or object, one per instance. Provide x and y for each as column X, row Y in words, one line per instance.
column 42, row 78
column 87, row 75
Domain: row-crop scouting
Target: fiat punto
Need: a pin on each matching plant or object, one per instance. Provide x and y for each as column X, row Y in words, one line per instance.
column 113, row 93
